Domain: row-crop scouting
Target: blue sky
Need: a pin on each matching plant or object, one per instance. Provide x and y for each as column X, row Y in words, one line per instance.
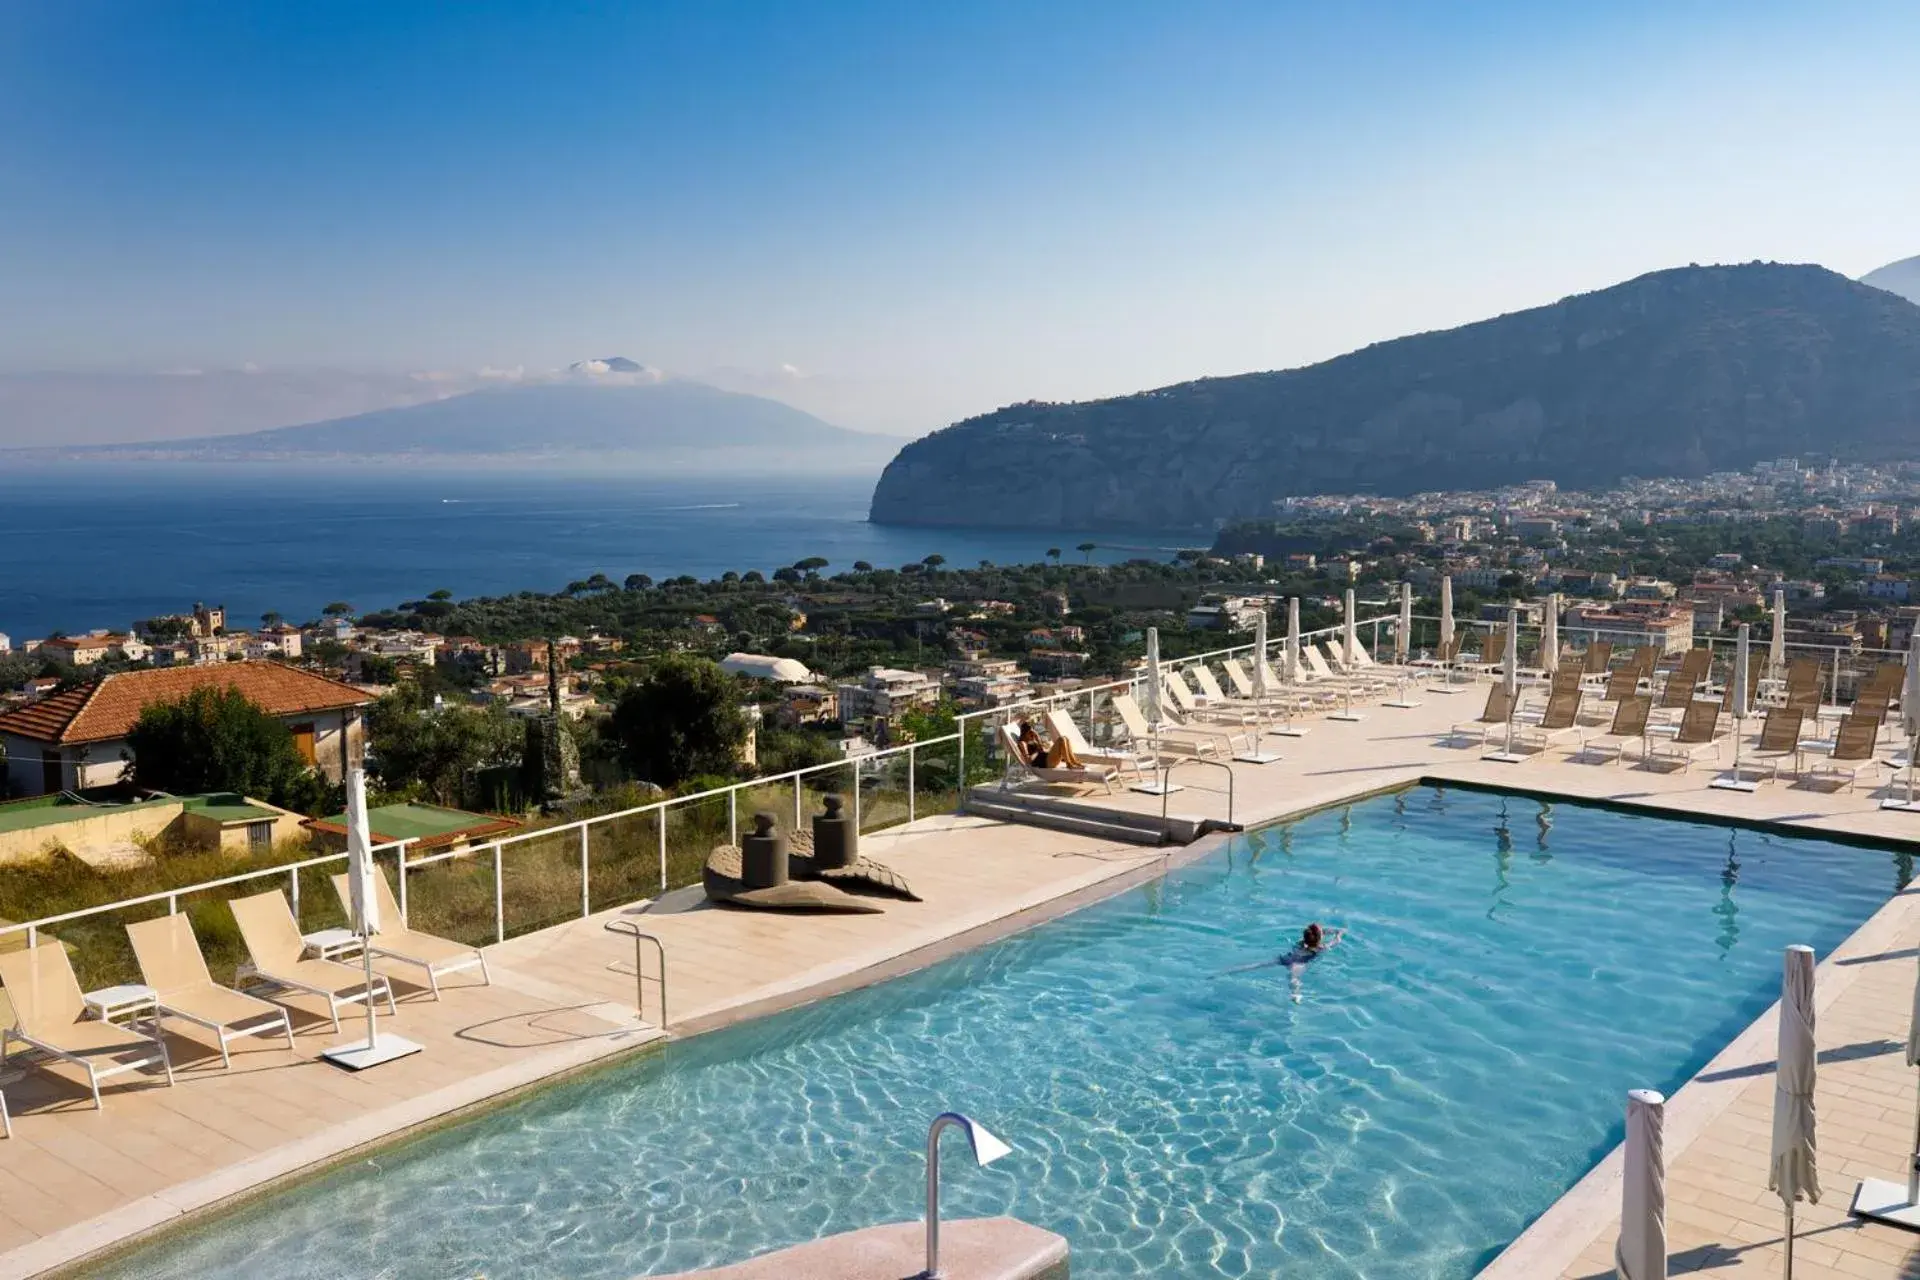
column 900, row 213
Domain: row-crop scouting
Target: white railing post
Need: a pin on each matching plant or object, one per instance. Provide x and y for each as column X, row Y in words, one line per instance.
column 856, row 800
column 663, row 848
column 796, row 802
column 400, row 856
column 33, row 937
column 586, row 896
column 499, row 897
column 733, row 816
column 960, row 748
column 910, row 782
column 173, row 904
column 294, row 876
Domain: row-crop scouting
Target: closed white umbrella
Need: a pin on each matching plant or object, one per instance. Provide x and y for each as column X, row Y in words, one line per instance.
column 1293, row 638
column 1403, row 648
column 1742, row 671
column 364, row 910
column 1446, row 615
column 1793, row 1169
column 1777, row 642
column 1910, row 720
column 1260, row 653
column 1348, row 640
column 1403, row 637
column 1153, row 677
column 1883, row 1199
column 1550, row 635
column 1510, row 677
column 1641, row 1253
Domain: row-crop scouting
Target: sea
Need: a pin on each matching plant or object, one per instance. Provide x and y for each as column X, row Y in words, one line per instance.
column 84, row 546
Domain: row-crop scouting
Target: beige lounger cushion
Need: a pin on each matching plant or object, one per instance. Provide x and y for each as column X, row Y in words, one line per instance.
column 395, row 938
column 48, row 1007
column 273, row 942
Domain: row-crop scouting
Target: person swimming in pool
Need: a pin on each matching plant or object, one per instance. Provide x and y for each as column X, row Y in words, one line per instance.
column 1314, row 943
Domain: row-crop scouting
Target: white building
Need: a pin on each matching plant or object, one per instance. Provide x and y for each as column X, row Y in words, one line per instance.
column 886, row 691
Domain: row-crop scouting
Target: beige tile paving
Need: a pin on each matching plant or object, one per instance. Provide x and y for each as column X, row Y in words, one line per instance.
column 73, row 1181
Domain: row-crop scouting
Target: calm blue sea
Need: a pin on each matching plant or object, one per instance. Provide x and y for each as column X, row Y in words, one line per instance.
column 102, row 546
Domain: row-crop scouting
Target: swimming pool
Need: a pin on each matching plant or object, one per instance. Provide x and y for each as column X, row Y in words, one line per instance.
column 1454, row 1065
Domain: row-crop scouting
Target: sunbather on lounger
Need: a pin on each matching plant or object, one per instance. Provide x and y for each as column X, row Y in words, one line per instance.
column 1041, row 756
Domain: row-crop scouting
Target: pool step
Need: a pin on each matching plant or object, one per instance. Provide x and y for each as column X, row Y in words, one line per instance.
column 1087, row 817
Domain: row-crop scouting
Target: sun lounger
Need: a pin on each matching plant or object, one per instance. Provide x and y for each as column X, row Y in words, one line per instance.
column 1699, row 733
column 1753, row 687
column 1853, row 750
column 1092, row 775
column 1498, row 710
column 1629, row 725
column 1167, row 738
column 50, row 1016
column 276, row 955
column 1319, row 669
column 171, row 963
column 1558, row 720
column 437, row 957
column 1121, row 763
column 1779, row 741
column 1684, row 682
column 1594, row 661
column 1298, row 696
column 1493, row 647
column 1191, row 708
column 1360, row 675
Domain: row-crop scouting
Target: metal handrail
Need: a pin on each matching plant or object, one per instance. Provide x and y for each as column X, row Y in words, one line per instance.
column 639, row 973
column 172, row 896
column 1166, row 775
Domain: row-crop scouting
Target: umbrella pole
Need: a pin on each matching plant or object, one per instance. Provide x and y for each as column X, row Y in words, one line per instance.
column 366, row 954
column 1788, row 1273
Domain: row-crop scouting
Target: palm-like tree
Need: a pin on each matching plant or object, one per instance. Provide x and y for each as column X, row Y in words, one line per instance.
column 1053, row 554
column 1086, row 551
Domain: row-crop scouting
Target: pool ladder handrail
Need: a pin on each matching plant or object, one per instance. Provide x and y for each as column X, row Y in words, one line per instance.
column 1167, row 767
column 640, row 936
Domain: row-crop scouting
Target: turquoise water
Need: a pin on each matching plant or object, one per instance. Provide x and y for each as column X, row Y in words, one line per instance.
column 1460, row 1059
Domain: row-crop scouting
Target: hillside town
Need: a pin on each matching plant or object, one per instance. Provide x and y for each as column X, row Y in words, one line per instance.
column 833, row 665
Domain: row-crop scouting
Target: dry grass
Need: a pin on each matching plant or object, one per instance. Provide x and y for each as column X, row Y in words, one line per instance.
column 540, row 876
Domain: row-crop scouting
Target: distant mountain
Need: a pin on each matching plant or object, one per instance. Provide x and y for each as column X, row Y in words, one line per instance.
column 1901, row 277
column 1680, row 373
column 85, row 407
column 668, row 423
column 617, row 422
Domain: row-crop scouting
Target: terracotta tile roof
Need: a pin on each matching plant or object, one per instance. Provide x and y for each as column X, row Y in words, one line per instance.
column 108, row 708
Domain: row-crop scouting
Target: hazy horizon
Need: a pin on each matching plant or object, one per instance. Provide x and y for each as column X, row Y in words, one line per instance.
column 891, row 219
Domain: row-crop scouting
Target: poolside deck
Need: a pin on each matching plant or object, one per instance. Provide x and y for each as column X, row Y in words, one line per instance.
column 72, row 1181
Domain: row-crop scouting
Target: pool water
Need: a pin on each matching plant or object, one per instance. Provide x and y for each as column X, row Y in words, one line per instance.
column 1511, row 969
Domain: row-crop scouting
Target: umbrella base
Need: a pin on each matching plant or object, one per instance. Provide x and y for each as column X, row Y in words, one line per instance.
column 1291, row 731
column 1734, row 782
column 1257, row 757
column 1401, row 704
column 1347, row 717
column 1887, row 1202
column 1156, row 788
column 1901, row 805
column 357, row 1055
column 1506, row 757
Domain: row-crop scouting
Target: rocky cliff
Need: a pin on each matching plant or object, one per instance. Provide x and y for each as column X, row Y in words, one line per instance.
column 1679, row 372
